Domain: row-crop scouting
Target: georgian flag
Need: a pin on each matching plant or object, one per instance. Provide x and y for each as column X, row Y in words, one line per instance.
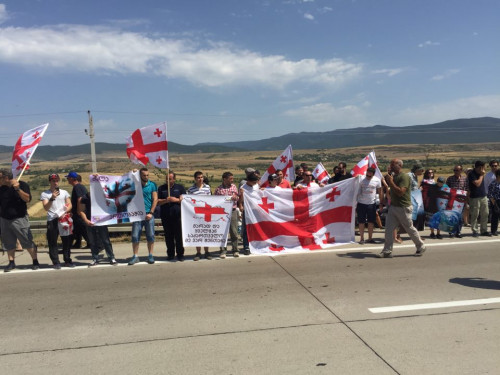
column 293, row 220
column 369, row 160
column 284, row 162
column 25, row 148
column 320, row 173
column 149, row 144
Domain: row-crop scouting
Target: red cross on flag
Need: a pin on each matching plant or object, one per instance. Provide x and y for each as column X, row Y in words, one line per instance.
column 289, row 220
column 25, row 148
column 149, row 144
column 320, row 173
column 369, row 160
column 284, row 161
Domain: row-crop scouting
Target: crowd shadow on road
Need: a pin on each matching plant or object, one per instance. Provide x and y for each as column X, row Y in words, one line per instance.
column 476, row 282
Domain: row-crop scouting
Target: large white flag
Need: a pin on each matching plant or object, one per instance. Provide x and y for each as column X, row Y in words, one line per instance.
column 289, row 220
column 149, row 144
column 116, row 199
column 25, row 148
column 205, row 219
column 369, row 160
column 321, row 174
column 284, row 162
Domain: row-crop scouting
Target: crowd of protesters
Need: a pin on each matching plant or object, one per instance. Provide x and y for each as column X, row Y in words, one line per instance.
column 68, row 215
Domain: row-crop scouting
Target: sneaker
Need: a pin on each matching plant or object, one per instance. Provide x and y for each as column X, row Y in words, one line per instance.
column 10, row 267
column 433, row 236
column 180, row 258
column 458, row 235
column 134, row 260
column 371, row 240
column 486, row 234
column 361, row 242
column 420, row 251
column 236, row 254
column 151, row 259
column 475, row 234
column 57, row 266
column 385, row 254
column 222, row 255
column 247, row 252
column 494, row 234
column 93, row 263
column 69, row 264
column 113, row 262
column 208, row 256
column 169, row 258
column 197, row 257
column 35, row 265
column 439, row 237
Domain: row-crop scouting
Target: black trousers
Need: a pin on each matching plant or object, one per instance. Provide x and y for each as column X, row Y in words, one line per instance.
column 79, row 231
column 52, row 235
column 173, row 236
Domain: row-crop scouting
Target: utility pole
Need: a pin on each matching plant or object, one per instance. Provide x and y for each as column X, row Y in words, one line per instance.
column 92, row 143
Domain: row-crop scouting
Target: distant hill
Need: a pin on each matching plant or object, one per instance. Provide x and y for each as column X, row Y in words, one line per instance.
column 460, row 131
column 475, row 130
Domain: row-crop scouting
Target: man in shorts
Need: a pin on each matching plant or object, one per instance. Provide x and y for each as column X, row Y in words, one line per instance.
column 14, row 223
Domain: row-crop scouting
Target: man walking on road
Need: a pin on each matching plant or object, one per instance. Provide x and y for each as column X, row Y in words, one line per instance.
column 400, row 209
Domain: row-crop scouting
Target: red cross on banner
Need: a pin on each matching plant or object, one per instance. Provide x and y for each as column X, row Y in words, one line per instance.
column 266, row 206
column 208, row 211
column 305, row 219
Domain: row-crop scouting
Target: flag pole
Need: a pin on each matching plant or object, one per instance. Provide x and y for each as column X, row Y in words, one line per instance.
column 92, row 143
column 168, row 182
column 24, row 168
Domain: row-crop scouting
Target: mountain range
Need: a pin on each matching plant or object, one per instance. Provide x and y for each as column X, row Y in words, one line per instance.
column 473, row 130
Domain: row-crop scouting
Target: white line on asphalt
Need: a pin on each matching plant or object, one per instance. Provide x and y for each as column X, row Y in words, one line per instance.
column 437, row 305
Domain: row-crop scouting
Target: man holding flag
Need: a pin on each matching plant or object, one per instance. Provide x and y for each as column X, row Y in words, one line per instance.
column 14, row 223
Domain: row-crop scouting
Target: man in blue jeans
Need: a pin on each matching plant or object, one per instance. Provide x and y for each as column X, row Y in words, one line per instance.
column 150, row 194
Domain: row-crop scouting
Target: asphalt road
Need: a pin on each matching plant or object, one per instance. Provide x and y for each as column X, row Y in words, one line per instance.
column 296, row 314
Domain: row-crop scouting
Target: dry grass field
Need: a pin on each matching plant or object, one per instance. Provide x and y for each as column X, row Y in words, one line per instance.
column 440, row 157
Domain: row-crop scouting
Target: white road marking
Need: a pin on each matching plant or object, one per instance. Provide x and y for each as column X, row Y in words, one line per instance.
column 437, row 305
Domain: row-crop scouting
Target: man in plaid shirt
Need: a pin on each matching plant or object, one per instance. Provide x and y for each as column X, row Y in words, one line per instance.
column 457, row 181
column 229, row 189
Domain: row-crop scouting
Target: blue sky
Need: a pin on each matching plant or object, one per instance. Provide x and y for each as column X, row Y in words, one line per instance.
column 230, row 70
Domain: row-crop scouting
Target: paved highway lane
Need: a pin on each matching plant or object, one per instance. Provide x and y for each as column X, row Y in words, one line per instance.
column 307, row 313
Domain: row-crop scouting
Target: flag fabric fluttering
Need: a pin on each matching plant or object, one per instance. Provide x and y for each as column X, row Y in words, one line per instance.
column 369, row 160
column 149, row 144
column 25, row 148
column 320, row 173
column 297, row 220
column 284, row 162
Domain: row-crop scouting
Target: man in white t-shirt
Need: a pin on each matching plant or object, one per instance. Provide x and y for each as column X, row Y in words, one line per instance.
column 366, row 209
column 57, row 203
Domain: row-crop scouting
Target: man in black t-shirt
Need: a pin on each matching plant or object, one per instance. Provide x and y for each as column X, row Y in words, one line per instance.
column 170, row 212
column 79, row 228
column 14, row 221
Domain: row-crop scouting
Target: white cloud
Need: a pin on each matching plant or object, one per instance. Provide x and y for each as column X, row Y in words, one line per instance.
column 476, row 106
column 309, row 16
column 447, row 74
column 346, row 116
column 3, row 13
column 429, row 44
column 107, row 50
column 389, row 72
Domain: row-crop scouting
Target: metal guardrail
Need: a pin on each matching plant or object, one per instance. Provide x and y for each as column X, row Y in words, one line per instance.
column 40, row 226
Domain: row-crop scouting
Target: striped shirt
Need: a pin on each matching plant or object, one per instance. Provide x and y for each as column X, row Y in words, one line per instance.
column 204, row 190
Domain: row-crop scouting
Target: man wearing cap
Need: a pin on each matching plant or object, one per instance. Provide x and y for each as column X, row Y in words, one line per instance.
column 250, row 186
column 229, row 189
column 79, row 228
column 273, row 181
column 248, row 171
column 14, row 221
column 57, row 203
